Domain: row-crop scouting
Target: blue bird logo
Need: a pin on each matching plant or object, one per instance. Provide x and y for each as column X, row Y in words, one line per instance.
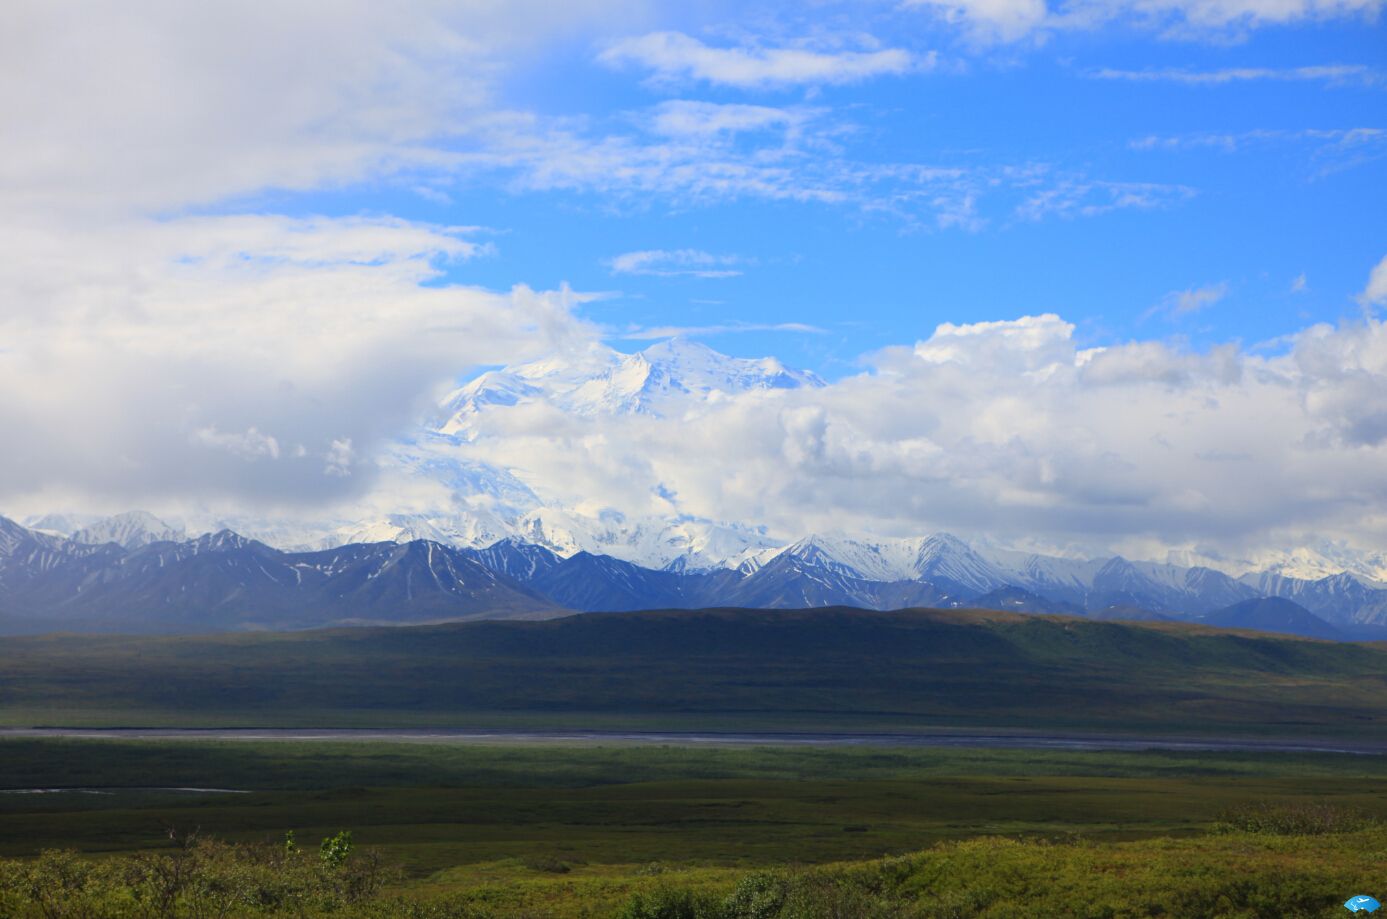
column 1362, row 903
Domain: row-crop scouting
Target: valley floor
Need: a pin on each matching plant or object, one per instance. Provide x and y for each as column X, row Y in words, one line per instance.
column 587, row 829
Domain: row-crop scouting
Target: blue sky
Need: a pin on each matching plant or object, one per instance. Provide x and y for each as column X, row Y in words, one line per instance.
column 1106, row 273
column 1251, row 178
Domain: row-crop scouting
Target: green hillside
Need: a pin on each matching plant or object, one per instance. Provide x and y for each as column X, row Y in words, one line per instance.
column 808, row 670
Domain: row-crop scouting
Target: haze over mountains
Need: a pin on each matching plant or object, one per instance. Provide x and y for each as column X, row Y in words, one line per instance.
column 136, row 581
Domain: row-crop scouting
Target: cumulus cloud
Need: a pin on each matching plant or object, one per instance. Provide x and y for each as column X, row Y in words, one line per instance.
column 674, row 57
column 169, row 354
column 1375, row 293
column 236, row 357
column 1008, row 428
column 141, row 105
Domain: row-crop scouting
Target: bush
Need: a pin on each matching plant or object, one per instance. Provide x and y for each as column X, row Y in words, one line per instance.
column 758, row 896
column 197, row 878
column 546, row 864
column 1303, row 819
column 670, row 903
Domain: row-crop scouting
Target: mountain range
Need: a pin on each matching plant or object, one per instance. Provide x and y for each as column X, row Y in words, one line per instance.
column 441, row 481
column 124, row 574
column 488, row 543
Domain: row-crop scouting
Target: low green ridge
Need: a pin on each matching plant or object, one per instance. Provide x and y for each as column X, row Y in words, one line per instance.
column 831, row 669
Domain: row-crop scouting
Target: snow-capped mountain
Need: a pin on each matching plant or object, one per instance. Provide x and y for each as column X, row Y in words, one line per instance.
column 1324, row 558
column 221, row 581
column 59, row 524
column 437, row 484
column 481, row 502
column 683, row 544
column 224, row 580
column 961, row 570
column 604, row 381
column 129, row 530
column 1342, row 598
column 940, row 558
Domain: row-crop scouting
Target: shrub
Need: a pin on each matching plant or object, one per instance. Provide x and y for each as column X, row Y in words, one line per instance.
column 197, row 878
column 546, row 864
column 1300, row 819
column 670, row 903
column 334, row 850
column 758, row 896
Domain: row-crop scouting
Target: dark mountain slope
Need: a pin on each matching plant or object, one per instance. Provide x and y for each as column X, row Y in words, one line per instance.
column 1272, row 614
column 600, row 583
column 516, row 559
column 794, row 582
column 1020, row 600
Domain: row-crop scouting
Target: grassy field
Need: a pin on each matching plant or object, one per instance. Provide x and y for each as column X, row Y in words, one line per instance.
column 573, row 829
column 730, row 669
column 699, row 832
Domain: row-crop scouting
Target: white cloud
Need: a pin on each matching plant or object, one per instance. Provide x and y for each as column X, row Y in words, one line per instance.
column 1068, row 198
column 1334, row 74
column 1326, row 150
column 1181, row 303
column 1009, row 428
column 1300, row 284
column 339, row 458
column 165, row 357
column 686, row 118
column 698, row 153
column 139, row 105
column 990, row 20
column 250, row 445
column 1375, row 293
column 674, row 57
column 156, row 357
column 1340, row 139
column 671, row 263
column 1012, row 20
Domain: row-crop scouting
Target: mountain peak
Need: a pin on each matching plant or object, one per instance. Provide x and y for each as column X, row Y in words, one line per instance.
column 679, row 346
column 11, row 535
column 599, row 380
column 226, row 541
column 130, row 530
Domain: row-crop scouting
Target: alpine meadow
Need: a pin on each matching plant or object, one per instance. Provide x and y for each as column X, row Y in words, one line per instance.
column 623, row 459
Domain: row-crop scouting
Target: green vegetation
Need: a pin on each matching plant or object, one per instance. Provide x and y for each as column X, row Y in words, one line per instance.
column 195, row 877
column 1248, row 875
column 729, row 669
column 1229, row 875
column 452, row 830
column 555, row 829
